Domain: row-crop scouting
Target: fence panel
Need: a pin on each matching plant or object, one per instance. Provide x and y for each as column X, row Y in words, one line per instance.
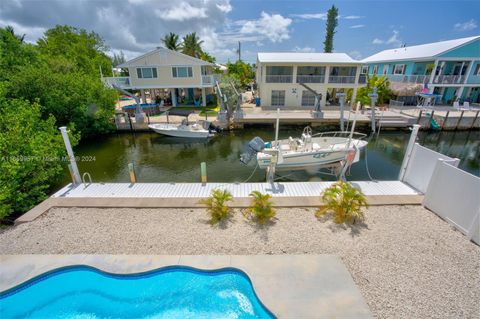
column 453, row 194
column 421, row 165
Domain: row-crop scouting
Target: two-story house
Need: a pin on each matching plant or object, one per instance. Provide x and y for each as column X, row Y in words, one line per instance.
column 170, row 74
column 279, row 75
column 449, row 68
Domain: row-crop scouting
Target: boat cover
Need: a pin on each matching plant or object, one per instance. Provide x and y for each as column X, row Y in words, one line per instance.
column 185, row 113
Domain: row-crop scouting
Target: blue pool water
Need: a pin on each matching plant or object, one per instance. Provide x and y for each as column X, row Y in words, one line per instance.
column 173, row 292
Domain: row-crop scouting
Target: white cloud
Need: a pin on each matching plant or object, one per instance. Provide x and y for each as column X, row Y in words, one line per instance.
column 304, row 49
column 308, row 16
column 273, row 27
column 357, row 26
column 355, row 54
column 181, row 12
column 224, row 7
column 394, row 39
column 352, row 17
column 466, row 26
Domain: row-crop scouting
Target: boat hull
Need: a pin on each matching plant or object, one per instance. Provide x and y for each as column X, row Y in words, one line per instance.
column 180, row 131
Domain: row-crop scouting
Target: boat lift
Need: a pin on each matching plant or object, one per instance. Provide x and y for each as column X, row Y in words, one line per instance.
column 223, row 114
column 318, row 98
column 139, row 114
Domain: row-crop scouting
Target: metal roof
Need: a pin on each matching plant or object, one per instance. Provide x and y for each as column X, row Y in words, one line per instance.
column 195, row 61
column 417, row 52
column 303, row 57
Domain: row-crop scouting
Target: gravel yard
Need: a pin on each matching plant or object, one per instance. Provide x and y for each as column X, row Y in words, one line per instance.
column 407, row 262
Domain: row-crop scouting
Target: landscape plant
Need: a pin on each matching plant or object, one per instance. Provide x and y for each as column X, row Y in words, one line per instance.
column 217, row 206
column 344, row 201
column 261, row 209
column 383, row 90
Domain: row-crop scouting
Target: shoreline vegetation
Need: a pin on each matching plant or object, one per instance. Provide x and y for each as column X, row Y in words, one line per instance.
column 56, row 82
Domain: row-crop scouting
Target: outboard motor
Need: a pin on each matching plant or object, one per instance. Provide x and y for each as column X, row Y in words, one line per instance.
column 211, row 127
column 254, row 146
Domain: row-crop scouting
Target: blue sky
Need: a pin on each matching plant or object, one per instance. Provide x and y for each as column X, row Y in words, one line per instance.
column 136, row 26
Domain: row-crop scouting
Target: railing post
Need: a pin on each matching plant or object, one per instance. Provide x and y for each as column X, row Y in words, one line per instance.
column 73, row 164
column 408, row 152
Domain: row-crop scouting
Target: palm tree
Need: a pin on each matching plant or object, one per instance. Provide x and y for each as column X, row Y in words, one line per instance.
column 192, row 45
column 170, row 41
column 10, row 29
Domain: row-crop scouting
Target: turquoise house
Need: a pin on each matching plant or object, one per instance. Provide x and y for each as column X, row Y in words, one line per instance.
column 449, row 68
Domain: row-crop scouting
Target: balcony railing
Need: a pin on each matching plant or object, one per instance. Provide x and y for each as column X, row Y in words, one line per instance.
column 341, row 79
column 120, row 81
column 208, row 80
column 408, row 78
column 448, row 79
column 278, row 78
column 310, row 78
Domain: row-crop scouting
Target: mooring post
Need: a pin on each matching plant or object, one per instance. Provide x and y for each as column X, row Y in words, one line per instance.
column 131, row 172
column 73, row 164
column 203, row 172
column 341, row 97
column 373, row 97
column 408, row 152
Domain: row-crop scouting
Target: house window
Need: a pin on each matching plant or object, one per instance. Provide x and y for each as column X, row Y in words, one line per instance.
column 399, row 69
column 385, row 69
column 146, row 73
column 375, row 69
column 364, row 69
column 182, row 72
column 477, row 70
column 278, row 98
column 308, row 98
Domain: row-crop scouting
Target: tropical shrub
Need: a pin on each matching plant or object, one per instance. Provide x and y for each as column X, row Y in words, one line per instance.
column 261, row 209
column 31, row 152
column 383, row 90
column 344, row 201
column 217, row 206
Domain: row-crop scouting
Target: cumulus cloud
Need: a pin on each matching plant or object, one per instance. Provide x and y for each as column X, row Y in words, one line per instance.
column 465, row 26
column 355, row 54
column 133, row 26
column 273, row 26
column 357, row 26
column 393, row 40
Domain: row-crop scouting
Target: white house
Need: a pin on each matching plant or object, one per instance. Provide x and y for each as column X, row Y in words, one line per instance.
column 167, row 73
column 279, row 75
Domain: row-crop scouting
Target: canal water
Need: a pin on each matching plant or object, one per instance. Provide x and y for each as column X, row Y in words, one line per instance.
column 159, row 158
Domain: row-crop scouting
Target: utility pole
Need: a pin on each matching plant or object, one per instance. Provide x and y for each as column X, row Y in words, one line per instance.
column 239, row 51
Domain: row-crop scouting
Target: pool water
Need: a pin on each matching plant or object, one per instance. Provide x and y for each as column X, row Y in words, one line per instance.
column 172, row 292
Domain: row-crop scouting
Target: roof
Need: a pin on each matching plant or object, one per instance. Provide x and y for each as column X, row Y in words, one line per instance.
column 304, row 57
column 417, row 52
column 160, row 49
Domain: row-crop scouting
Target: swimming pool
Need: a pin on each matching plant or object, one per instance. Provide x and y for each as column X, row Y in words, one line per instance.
column 170, row 292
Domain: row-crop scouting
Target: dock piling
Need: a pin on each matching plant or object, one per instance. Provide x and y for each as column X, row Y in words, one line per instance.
column 131, row 172
column 408, row 152
column 203, row 172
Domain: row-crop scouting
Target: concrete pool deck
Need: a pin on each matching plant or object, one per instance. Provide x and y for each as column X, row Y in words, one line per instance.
column 291, row 286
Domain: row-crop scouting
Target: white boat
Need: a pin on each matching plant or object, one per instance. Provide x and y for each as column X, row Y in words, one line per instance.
column 321, row 150
column 184, row 129
column 334, row 150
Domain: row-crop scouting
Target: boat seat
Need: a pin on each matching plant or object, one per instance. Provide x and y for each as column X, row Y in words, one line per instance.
column 315, row 146
column 285, row 147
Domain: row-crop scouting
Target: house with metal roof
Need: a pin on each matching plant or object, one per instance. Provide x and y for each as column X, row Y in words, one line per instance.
column 169, row 74
column 448, row 68
column 293, row 80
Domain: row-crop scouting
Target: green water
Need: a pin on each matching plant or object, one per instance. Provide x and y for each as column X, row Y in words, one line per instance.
column 159, row 158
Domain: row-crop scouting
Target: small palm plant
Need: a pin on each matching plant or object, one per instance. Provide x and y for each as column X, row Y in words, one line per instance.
column 217, row 206
column 261, row 208
column 345, row 201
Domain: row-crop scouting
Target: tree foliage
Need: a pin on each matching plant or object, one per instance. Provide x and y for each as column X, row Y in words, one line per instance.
column 31, row 150
column 383, row 90
column 172, row 41
column 118, row 59
column 242, row 71
column 192, row 45
column 332, row 23
column 62, row 74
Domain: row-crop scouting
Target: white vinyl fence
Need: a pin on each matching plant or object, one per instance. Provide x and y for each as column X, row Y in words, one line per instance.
column 421, row 165
column 454, row 195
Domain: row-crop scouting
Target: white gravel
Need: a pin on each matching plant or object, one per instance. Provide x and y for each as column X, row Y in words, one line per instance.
column 407, row 262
